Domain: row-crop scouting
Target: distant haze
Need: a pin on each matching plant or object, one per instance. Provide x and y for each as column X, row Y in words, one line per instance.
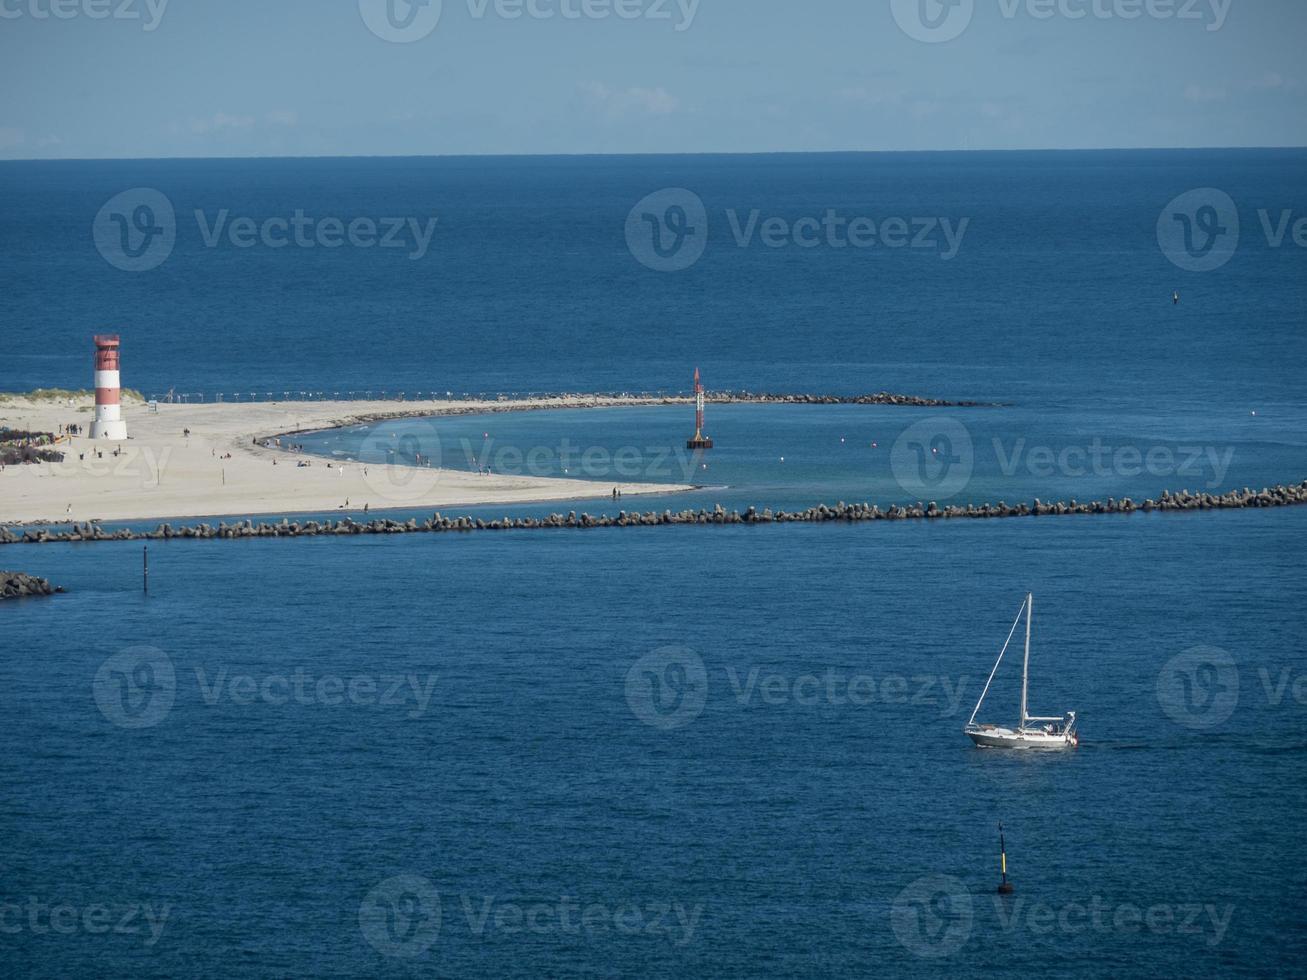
column 189, row 78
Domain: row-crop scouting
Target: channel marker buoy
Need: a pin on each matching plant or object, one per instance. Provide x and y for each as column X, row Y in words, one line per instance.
column 1005, row 886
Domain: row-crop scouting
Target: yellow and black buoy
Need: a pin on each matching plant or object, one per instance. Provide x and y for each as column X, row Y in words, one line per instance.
column 1005, row 886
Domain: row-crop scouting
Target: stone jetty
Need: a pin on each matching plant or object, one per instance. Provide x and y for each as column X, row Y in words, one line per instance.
column 569, row 400
column 19, row 585
column 879, row 398
column 1183, row 500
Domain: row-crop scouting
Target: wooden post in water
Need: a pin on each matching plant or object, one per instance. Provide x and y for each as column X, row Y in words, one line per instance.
column 145, row 569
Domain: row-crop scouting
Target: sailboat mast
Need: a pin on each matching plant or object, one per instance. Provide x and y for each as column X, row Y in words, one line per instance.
column 1025, row 667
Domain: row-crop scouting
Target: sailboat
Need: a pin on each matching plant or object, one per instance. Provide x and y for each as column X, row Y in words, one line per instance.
column 1030, row 732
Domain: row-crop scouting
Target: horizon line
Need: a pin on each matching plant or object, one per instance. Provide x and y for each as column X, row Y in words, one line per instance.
column 686, row 153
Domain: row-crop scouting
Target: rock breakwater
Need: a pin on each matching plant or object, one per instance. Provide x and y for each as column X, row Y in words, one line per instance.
column 20, row 585
column 1183, row 500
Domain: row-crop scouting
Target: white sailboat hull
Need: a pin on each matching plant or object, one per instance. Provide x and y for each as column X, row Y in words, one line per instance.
column 995, row 737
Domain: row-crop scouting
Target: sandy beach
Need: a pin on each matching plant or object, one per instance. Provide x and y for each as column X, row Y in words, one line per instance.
column 219, row 471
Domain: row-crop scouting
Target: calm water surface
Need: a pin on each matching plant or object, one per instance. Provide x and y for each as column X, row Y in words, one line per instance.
column 680, row 751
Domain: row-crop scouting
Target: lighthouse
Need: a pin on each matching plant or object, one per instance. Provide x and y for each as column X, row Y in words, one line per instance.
column 108, row 422
column 700, row 441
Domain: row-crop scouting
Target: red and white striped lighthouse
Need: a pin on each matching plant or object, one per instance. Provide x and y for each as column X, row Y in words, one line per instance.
column 108, row 422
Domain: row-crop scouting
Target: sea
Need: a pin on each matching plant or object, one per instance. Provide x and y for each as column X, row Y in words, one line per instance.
column 727, row 751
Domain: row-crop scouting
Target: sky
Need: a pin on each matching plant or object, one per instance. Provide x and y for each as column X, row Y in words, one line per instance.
column 215, row 78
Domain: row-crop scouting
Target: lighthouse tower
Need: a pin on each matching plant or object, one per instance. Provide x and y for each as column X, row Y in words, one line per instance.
column 108, row 422
column 700, row 441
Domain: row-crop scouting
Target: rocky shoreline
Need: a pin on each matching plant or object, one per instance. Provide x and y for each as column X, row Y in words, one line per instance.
column 1276, row 496
column 20, row 585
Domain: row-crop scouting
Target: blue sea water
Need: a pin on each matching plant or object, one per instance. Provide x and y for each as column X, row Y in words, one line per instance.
column 727, row 751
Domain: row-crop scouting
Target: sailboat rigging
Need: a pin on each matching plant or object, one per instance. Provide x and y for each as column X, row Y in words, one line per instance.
column 1030, row 732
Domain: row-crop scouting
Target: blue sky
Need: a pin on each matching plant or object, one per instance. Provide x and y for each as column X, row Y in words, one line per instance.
column 168, row 78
